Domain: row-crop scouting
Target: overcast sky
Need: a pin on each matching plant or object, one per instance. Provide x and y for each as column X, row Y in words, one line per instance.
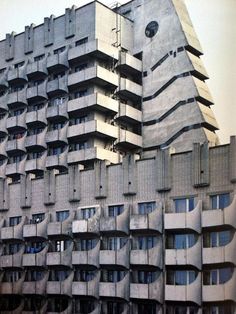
column 214, row 22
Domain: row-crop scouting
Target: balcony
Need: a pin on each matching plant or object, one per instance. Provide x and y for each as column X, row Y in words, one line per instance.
column 130, row 64
column 17, row 75
column 96, row 75
column 221, row 254
column 61, row 287
column 93, row 153
column 63, row 258
column 185, row 293
column 37, row 230
column 151, row 221
column 58, row 61
column 150, row 257
column 15, row 168
column 191, row 256
column 94, row 101
column 87, row 226
column 87, row 289
column 118, row 224
column 16, row 145
column 37, row 93
column 95, row 48
column 118, row 289
column 13, row 260
column 202, row 92
column 115, row 257
column 16, row 122
column 58, row 85
column 18, row 97
column 220, row 292
column 37, row 69
column 198, row 66
column 57, row 136
column 149, row 291
column 36, row 140
column 61, row 228
column 12, row 287
column 93, row 127
column 59, row 111
column 129, row 139
column 130, row 89
column 35, row 165
column 182, row 221
column 219, row 217
column 35, row 287
column 36, row 117
column 57, row 161
column 129, row 114
column 35, row 259
column 14, row 232
column 90, row 257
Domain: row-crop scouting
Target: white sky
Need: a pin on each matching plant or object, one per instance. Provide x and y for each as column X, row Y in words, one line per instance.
column 215, row 25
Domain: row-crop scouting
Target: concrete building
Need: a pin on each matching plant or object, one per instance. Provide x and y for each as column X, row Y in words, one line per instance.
column 115, row 195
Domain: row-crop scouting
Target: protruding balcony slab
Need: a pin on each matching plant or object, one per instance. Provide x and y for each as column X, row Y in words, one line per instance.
column 118, row 224
column 61, row 228
column 63, row 258
column 35, row 287
column 13, row 260
column 90, row 257
column 34, row 230
column 14, row 232
column 115, row 257
column 88, row 289
column 12, row 287
column 129, row 63
column 61, row 287
column 151, row 257
column 129, row 139
column 118, row 289
column 35, row 259
column 130, row 89
column 151, row 221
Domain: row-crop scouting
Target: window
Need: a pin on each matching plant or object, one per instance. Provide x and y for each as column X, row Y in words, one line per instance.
column 60, row 245
column 16, row 136
column 34, row 131
column 34, row 155
column 215, row 239
column 13, row 89
column 40, row 57
column 56, row 126
column 180, row 241
column 217, row 276
column 184, row 205
column 181, row 310
column 34, row 247
column 87, row 244
column 12, row 249
column 88, row 212
column 2, row 70
column 84, row 275
column 81, row 41
column 78, row 120
column 18, row 65
column 55, row 150
column 220, row 201
column 13, row 221
column 114, row 243
column 86, row 306
column 225, row 308
column 180, row 277
column 57, row 101
column 17, row 112
column 59, row 50
column 114, row 308
column 35, row 107
column 115, row 210
column 144, row 308
column 62, row 215
column 77, row 146
column 81, row 93
column 81, row 67
column 146, row 242
column 112, row 275
column 37, row 218
column 15, row 159
column 146, row 208
column 33, row 275
column 146, row 277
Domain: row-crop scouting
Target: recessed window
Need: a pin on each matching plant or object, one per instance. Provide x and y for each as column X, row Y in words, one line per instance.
column 81, row 67
column 59, row 50
column 151, row 29
column 146, row 208
column 62, row 215
column 40, row 57
column 220, row 201
column 81, row 41
column 115, row 210
column 77, row 146
column 184, row 205
column 113, row 243
column 217, row 276
column 180, row 277
column 13, row 221
column 180, row 241
column 18, row 65
column 88, row 212
column 145, row 242
column 216, row 239
column 81, row 93
column 37, row 218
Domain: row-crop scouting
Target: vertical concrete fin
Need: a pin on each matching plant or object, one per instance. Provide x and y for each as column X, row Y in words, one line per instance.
column 50, row 187
column 26, row 191
column 232, row 159
column 74, row 182
column 164, row 169
column 29, row 38
column 70, row 16
column 48, row 31
column 100, row 169
column 200, row 165
column 129, row 175
column 9, row 46
column 4, row 194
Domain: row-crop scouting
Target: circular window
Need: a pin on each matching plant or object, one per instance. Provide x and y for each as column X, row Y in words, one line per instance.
column 151, row 29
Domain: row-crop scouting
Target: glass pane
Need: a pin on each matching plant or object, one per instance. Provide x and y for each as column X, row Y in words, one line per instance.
column 190, row 204
column 214, row 202
column 180, row 205
column 180, row 241
column 213, row 236
column 224, row 275
column 224, row 237
column 224, row 200
column 192, row 276
column 191, row 240
column 181, row 277
column 214, row 277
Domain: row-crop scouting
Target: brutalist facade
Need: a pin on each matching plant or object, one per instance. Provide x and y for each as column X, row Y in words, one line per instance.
column 115, row 195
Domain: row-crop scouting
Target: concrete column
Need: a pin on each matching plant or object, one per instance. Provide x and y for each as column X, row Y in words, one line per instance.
column 129, row 175
column 74, row 182
column 50, row 187
column 26, row 191
column 70, row 16
column 48, row 31
column 164, row 170
column 100, row 169
column 10, row 46
column 29, row 38
column 4, row 194
column 232, row 159
column 200, row 165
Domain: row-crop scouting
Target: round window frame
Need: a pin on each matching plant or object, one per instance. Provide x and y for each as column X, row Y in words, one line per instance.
column 151, row 29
